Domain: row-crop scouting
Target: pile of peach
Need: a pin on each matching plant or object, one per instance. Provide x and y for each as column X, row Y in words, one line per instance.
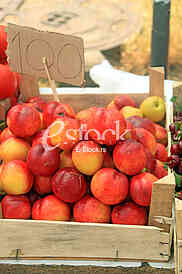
column 94, row 166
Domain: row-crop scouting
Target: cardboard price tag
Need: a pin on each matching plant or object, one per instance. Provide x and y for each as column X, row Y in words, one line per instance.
column 64, row 54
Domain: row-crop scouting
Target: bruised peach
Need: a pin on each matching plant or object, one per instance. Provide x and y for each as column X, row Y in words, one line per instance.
column 90, row 210
column 109, row 186
column 123, row 100
column 106, row 126
column 140, row 122
column 64, row 133
column 23, row 120
column 16, row 178
column 69, row 185
column 50, row 208
column 14, row 149
column 129, row 157
column 87, row 157
column 146, row 138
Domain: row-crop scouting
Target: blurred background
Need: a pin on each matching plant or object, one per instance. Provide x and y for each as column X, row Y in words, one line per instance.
column 119, row 31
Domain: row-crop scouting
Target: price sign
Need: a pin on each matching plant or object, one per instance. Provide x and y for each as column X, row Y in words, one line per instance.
column 64, row 54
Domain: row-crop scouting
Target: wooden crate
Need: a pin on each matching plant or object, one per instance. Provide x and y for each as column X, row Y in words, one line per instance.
column 28, row 239
column 178, row 236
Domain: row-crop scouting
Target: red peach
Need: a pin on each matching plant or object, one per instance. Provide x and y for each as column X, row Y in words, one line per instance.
column 106, row 126
column 160, row 171
column 64, row 133
column 37, row 103
column 50, row 208
column 129, row 214
column 33, row 197
column 90, row 210
column 108, row 161
column 161, row 134
column 3, row 43
column 161, row 153
column 139, row 122
column 48, row 112
column 146, row 138
column 141, row 188
column 23, row 120
column 14, row 149
column 129, row 157
column 42, row 185
column 69, row 185
column 8, row 82
column 16, row 207
column 42, row 161
column 87, row 157
column 109, row 186
column 37, row 139
column 16, row 178
column 123, row 100
column 151, row 161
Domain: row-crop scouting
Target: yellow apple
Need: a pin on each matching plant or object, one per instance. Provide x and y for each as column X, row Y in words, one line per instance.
column 153, row 108
column 129, row 111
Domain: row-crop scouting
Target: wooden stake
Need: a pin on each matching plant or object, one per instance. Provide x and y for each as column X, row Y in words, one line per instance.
column 51, row 82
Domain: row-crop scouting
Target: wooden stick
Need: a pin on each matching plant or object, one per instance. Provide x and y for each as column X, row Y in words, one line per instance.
column 51, row 82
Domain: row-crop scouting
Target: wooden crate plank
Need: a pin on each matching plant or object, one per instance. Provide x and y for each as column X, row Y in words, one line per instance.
column 178, row 214
column 79, row 240
column 79, row 100
column 162, row 200
column 156, row 81
column 4, row 106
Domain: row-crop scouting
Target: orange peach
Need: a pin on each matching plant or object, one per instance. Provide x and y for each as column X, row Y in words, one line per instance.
column 129, row 157
column 50, row 208
column 16, row 178
column 64, row 133
column 161, row 134
column 66, row 159
column 5, row 134
column 87, row 157
column 109, row 186
column 90, row 210
column 146, row 138
column 14, row 149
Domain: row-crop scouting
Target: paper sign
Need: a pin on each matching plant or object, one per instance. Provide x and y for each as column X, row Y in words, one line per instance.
column 64, row 54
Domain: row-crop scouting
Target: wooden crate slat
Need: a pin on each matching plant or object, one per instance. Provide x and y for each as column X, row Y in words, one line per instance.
column 162, row 200
column 29, row 86
column 178, row 236
column 157, row 76
column 64, row 239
